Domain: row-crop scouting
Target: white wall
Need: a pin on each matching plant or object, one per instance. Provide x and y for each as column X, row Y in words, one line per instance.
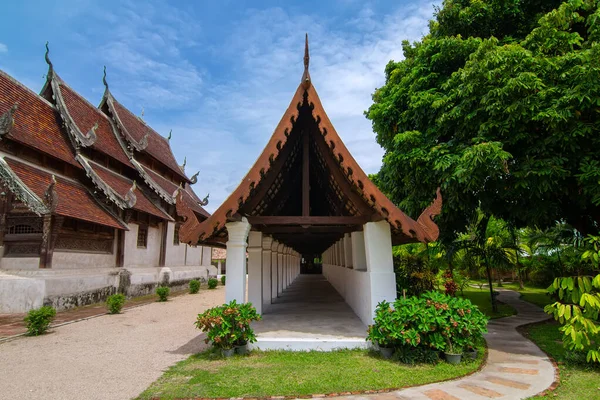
column 206, row 255
column 354, row 286
column 19, row 294
column 80, row 259
column 18, row 263
column 142, row 257
column 194, row 255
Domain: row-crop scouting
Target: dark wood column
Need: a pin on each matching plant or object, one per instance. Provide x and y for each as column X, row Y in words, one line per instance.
column 50, row 230
column 5, row 199
column 163, row 244
column 120, row 253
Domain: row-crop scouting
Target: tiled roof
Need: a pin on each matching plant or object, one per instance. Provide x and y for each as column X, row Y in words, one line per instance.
column 36, row 123
column 85, row 116
column 158, row 146
column 121, row 185
column 73, row 198
column 189, row 196
column 404, row 229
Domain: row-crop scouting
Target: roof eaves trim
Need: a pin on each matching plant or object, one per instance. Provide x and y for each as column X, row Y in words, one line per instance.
column 122, row 202
column 85, row 140
column 20, row 190
column 168, row 197
column 134, row 144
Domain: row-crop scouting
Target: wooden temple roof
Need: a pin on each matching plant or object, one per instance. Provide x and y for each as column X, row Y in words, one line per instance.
column 306, row 189
column 142, row 137
column 35, row 121
column 72, row 199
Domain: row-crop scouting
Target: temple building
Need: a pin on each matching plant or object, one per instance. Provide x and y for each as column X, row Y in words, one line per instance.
column 306, row 198
column 91, row 203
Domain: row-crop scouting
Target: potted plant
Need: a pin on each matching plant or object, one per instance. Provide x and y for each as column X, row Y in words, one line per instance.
column 453, row 352
column 381, row 332
column 228, row 326
column 471, row 352
column 245, row 316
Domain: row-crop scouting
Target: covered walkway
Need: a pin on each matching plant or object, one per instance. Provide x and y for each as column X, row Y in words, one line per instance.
column 310, row 314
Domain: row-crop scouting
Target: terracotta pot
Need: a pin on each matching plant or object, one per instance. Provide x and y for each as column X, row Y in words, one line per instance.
column 227, row 352
column 453, row 358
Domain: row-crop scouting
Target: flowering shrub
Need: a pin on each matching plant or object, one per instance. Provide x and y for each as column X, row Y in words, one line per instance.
column 228, row 325
column 433, row 320
column 449, row 284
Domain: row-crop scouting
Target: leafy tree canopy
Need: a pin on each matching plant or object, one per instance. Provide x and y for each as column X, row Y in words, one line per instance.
column 500, row 108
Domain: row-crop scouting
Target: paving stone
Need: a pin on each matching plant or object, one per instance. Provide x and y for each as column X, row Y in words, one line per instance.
column 480, row 390
column 508, row 382
column 522, row 371
column 437, row 394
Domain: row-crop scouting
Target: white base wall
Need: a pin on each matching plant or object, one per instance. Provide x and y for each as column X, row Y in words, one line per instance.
column 23, row 290
column 355, row 287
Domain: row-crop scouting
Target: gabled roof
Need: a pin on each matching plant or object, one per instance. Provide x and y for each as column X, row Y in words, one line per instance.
column 125, row 189
column 73, row 199
column 35, row 121
column 88, row 126
column 141, row 137
column 346, row 180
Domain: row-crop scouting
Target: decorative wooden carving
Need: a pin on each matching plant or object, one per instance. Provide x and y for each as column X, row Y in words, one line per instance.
column 7, row 120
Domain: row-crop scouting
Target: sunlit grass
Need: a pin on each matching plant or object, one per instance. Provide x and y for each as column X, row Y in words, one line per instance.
column 281, row 373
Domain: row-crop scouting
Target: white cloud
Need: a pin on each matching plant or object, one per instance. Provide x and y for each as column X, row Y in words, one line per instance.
column 234, row 120
column 3, row 48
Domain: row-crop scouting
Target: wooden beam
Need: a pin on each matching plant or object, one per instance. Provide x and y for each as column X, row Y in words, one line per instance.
column 305, row 175
column 299, row 220
column 278, row 229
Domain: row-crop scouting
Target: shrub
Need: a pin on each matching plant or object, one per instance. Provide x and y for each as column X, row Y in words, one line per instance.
column 228, row 325
column 194, row 286
column 212, row 283
column 38, row 320
column 163, row 293
column 115, row 303
column 223, row 280
column 433, row 321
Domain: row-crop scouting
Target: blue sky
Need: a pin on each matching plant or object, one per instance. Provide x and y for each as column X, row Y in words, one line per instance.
column 219, row 74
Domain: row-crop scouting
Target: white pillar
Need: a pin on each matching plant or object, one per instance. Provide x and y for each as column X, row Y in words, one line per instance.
column 219, row 268
column 236, row 260
column 341, row 252
column 274, row 270
column 359, row 258
column 380, row 265
column 348, row 250
column 280, row 268
column 267, row 242
column 255, row 270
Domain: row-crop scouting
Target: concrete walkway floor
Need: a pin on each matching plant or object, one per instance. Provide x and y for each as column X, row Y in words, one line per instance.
column 109, row 357
column 310, row 315
column 516, row 368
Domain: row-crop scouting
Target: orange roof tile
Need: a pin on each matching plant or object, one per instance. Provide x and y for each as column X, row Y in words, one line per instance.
column 74, row 200
column 36, row 123
column 158, row 146
column 85, row 116
column 121, row 185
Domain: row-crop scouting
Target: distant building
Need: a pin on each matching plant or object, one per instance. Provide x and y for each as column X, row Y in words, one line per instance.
column 91, row 201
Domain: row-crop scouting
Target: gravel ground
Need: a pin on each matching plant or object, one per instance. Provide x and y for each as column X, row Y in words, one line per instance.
column 109, row 357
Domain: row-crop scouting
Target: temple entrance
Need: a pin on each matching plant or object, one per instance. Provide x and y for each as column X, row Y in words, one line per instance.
column 306, row 206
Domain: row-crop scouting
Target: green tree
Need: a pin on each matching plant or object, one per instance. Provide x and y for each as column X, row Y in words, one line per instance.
column 508, row 125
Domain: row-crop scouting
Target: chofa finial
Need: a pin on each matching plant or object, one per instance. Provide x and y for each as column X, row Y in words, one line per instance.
column 104, row 79
column 306, row 75
column 169, row 137
column 47, row 57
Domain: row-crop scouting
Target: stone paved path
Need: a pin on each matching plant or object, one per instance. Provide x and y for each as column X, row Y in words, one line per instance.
column 516, row 368
column 109, row 357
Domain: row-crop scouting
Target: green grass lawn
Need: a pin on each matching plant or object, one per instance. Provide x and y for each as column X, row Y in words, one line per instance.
column 577, row 380
column 481, row 298
column 280, row 373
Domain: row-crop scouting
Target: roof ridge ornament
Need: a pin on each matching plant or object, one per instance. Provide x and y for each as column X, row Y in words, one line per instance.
column 7, row 120
column 104, row 79
column 204, row 201
column 306, row 76
column 47, row 57
column 194, row 178
column 182, row 166
column 169, row 137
